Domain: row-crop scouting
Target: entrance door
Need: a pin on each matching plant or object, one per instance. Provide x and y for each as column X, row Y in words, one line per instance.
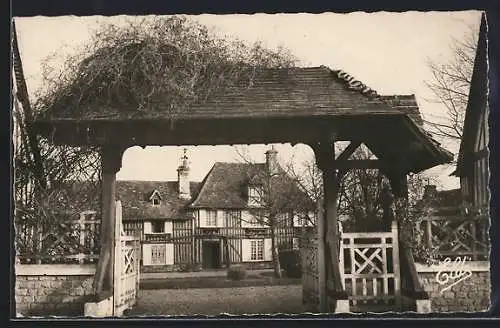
column 211, row 254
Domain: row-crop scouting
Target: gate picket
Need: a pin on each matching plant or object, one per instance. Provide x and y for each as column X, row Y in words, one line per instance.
column 126, row 266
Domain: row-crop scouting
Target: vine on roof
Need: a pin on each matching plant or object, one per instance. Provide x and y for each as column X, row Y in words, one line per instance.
column 157, row 64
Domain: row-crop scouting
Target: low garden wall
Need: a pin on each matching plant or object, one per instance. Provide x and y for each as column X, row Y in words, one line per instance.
column 472, row 294
column 52, row 289
column 198, row 267
column 161, row 268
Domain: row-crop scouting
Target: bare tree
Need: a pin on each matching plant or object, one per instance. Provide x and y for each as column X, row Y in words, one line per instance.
column 450, row 86
column 275, row 200
column 44, row 174
column 363, row 200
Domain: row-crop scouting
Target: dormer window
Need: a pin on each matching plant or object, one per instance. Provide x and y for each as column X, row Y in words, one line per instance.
column 255, row 195
column 155, row 198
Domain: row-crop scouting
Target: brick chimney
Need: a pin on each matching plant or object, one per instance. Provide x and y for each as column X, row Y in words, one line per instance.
column 272, row 161
column 183, row 177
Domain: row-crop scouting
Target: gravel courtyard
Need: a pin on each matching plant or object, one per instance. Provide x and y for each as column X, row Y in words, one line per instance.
column 213, row 301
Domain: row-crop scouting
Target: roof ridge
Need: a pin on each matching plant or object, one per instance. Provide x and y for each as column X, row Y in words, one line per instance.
column 239, row 164
column 354, row 84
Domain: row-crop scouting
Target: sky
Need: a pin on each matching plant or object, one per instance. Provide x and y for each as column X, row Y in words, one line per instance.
column 387, row 51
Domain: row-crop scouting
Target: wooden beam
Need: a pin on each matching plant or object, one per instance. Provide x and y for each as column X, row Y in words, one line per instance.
column 329, row 236
column 348, row 151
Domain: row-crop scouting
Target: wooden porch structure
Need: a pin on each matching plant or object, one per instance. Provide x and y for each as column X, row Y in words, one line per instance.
column 314, row 106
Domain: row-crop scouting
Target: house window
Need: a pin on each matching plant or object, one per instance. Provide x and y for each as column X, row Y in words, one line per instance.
column 157, row 227
column 255, row 194
column 300, row 221
column 155, row 198
column 211, row 219
column 304, row 220
column 232, row 218
column 257, row 249
column 158, row 254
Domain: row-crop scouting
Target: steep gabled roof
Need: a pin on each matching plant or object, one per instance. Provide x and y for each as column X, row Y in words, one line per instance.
column 226, row 186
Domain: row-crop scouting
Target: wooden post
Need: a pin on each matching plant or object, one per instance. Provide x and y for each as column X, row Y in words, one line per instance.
column 328, row 247
column 39, row 236
column 395, row 263
column 472, row 225
column 111, row 157
column 399, row 186
column 429, row 232
column 82, row 237
column 117, row 260
column 226, row 252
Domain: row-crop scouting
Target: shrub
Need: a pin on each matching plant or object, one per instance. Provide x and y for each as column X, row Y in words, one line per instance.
column 236, row 272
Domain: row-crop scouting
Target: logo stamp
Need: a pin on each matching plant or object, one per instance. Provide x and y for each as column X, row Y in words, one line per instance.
column 453, row 273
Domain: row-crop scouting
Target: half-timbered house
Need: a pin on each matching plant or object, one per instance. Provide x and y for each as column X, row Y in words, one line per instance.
column 472, row 163
column 215, row 222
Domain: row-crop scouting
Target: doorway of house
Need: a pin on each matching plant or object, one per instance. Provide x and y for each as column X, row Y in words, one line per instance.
column 211, row 254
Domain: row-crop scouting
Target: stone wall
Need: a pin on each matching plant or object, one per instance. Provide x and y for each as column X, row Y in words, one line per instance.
column 470, row 295
column 59, row 290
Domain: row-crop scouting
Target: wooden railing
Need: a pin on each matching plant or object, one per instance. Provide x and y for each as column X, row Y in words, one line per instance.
column 68, row 241
column 157, row 237
column 457, row 236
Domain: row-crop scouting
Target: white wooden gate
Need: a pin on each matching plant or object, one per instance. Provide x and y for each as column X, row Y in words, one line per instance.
column 126, row 267
column 369, row 264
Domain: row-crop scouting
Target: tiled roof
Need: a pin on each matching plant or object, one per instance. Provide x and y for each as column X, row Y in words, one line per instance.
column 407, row 104
column 226, row 186
column 282, row 92
column 136, row 205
